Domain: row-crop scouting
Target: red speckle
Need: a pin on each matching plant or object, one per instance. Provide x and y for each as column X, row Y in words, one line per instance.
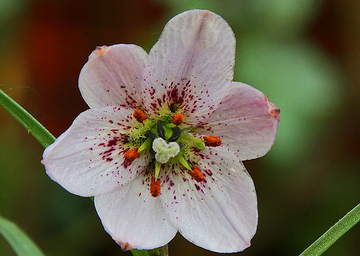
column 113, row 142
column 209, row 172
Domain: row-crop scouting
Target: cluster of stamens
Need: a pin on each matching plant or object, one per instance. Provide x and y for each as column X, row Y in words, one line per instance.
column 167, row 143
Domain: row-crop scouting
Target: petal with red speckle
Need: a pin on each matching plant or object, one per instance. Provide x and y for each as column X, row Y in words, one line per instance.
column 243, row 122
column 219, row 213
column 112, row 76
column 190, row 64
column 88, row 158
column 133, row 217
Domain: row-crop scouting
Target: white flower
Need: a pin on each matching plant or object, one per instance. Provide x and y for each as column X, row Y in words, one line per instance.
column 161, row 146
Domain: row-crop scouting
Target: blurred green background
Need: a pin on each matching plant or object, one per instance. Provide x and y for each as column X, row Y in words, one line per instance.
column 304, row 55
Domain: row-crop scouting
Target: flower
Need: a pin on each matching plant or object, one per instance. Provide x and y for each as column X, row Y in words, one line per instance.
column 161, row 146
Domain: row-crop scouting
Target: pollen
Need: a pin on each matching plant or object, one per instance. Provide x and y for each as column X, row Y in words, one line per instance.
column 177, row 119
column 139, row 115
column 130, row 156
column 155, row 187
column 212, row 141
column 196, row 174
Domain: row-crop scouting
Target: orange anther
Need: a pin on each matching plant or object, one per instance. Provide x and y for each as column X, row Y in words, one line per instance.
column 196, row 174
column 130, row 156
column 212, row 141
column 139, row 115
column 155, row 187
column 177, row 119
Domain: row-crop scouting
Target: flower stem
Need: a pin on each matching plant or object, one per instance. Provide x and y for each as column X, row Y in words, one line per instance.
column 334, row 233
column 162, row 251
column 41, row 134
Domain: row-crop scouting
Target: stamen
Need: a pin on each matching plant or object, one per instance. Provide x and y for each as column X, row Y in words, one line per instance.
column 155, row 187
column 182, row 161
column 139, row 115
column 212, row 141
column 177, row 119
column 146, row 145
column 157, row 169
column 196, row 174
column 130, row 156
column 176, row 134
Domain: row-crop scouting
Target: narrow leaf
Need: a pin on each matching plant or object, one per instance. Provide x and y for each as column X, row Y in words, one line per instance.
column 18, row 240
column 334, row 233
column 25, row 119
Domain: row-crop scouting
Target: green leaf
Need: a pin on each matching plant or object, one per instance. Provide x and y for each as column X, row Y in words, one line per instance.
column 334, row 233
column 25, row 119
column 19, row 241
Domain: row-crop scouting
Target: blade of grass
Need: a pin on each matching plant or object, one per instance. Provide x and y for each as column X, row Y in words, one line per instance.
column 334, row 233
column 18, row 240
column 41, row 134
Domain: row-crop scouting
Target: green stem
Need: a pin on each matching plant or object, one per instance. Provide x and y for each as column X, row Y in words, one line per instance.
column 43, row 136
column 334, row 233
column 162, row 251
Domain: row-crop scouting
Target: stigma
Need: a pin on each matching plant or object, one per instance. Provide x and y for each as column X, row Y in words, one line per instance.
column 164, row 151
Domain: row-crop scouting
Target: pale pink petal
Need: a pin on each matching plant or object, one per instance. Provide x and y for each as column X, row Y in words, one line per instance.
column 190, row 64
column 88, row 158
column 112, row 76
column 245, row 121
column 219, row 214
column 134, row 218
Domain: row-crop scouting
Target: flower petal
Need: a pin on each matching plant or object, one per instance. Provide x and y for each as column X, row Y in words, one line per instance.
column 218, row 214
column 134, row 218
column 190, row 64
column 245, row 121
column 88, row 158
column 112, row 76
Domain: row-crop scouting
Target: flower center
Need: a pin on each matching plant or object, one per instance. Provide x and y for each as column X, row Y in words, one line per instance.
column 164, row 151
column 170, row 142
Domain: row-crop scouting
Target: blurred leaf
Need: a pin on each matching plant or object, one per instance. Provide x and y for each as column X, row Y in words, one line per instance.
column 298, row 79
column 19, row 241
